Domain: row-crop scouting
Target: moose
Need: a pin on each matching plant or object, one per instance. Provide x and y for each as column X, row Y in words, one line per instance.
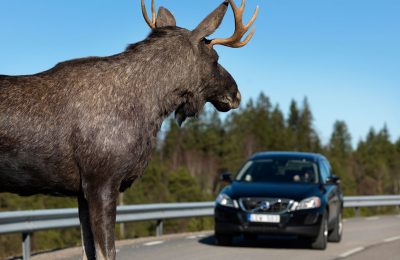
column 85, row 128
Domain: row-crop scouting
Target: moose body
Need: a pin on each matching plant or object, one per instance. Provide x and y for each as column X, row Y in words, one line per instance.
column 86, row 127
column 92, row 114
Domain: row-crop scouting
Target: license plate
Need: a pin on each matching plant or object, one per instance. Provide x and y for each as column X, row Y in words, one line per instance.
column 264, row 218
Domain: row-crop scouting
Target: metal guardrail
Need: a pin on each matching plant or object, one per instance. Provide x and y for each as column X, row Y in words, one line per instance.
column 371, row 201
column 358, row 202
column 27, row 222
column 30, row 221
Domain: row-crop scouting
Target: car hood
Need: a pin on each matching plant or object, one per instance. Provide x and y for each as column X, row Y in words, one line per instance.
column 295, row 191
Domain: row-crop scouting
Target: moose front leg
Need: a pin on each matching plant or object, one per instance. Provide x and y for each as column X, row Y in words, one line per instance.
column 89, row 251
column 102, row 202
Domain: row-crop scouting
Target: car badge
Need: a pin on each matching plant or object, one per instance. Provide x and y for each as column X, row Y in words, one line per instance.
column 265, row 205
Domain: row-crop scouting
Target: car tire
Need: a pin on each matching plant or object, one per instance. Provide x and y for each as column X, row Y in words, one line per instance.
column 223, row 240
column 250, row 237
column 336, row 234
column 321, row 240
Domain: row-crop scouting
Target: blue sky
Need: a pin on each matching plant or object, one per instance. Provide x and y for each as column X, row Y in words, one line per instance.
column 343, row 55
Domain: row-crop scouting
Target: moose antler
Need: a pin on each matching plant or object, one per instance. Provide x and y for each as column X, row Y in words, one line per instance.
column 240, row 28
column 151, row 23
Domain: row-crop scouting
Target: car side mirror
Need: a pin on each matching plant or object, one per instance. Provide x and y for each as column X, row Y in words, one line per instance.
column 333, row 179
column 226, row 177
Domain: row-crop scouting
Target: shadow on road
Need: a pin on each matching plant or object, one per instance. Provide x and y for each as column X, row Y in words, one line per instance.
column 277, row 242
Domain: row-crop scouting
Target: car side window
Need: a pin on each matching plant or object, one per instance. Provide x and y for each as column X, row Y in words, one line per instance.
column 325, row 172
column 328, row 165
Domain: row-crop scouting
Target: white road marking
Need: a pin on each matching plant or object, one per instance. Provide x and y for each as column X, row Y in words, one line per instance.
column 390, row 239
column 153, row 243
column 352, row 251
column 372, row 218
column 196, row 236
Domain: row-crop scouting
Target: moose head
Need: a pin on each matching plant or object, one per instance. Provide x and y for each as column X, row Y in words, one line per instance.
column 213, row 83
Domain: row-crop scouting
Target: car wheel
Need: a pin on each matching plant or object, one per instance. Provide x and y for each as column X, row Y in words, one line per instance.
column 336, row 234
column 223, row 240
column 321, row 240
column 250, row 237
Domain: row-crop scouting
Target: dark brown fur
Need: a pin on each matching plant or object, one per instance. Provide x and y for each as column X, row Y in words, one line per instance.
column 86, row 127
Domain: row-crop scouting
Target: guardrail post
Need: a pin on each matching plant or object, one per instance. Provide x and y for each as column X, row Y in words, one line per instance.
column 121, row 225
column 159, row 229
column 26, row 246
column 357, row 211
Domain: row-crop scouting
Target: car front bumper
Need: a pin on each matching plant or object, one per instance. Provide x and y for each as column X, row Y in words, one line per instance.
column 232, row 221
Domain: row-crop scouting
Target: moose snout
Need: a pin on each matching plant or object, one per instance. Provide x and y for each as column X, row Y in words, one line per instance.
column 235, row 101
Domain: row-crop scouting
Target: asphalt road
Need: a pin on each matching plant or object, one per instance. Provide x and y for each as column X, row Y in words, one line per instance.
column 364, row 238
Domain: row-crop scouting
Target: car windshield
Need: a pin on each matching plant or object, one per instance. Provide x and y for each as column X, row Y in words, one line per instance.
column 282, row 170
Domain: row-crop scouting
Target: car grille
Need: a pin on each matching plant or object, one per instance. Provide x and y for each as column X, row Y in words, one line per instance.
column 265, row 205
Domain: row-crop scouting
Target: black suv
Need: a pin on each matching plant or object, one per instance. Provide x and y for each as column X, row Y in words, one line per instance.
column 283, row 193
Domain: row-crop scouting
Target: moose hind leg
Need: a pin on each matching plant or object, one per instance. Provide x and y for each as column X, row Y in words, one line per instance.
column 102, row 202
column 89, row 251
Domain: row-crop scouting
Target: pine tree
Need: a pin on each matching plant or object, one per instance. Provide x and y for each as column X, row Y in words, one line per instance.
column 340, row 142
column 293, row 125
column 307, row 138
column 279, row 139
column 294, row 116
column 261, row 126
column 340, row 151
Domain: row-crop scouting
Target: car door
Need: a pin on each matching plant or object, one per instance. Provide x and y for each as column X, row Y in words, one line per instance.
column 337, row 193
column 332, row 191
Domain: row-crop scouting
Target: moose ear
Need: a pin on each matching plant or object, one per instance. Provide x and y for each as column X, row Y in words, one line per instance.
column 164, row 18
column 210, row 23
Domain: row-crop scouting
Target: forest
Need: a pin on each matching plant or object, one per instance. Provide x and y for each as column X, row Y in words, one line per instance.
column 187, row 162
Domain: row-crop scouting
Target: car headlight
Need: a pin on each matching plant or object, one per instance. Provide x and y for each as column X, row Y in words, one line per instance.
column 225, row 200
column 309, row 203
